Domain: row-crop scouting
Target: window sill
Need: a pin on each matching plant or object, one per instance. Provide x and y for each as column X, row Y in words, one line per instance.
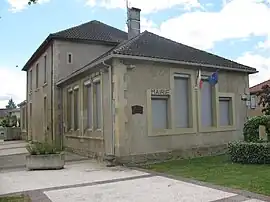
column 217, row 129
column 84, row 137
column 172, row 132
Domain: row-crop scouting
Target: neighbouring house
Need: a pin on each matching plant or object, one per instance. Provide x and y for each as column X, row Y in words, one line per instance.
column 99, row 91
column 255, row 109
column 13, row 112
column 8, row 112
column 23, row 120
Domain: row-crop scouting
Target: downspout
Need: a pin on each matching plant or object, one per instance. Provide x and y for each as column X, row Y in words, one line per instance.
column 52, row 96
column 111, row 107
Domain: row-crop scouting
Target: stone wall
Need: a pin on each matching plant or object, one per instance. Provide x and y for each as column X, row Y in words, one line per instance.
column 151, row 158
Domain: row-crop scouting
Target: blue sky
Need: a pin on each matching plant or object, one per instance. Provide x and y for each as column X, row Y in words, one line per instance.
column 234, row 29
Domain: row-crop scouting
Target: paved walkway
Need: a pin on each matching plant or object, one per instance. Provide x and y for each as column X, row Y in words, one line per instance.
column 92, row 181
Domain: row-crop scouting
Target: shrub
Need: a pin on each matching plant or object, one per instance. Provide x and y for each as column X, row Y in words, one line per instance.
column 250, row 152
column 38, row 148
column 251, row 128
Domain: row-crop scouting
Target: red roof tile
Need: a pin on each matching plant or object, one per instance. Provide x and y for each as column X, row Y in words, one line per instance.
column 259, row 86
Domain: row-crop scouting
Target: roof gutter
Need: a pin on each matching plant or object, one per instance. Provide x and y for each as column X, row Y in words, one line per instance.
column 180, row 62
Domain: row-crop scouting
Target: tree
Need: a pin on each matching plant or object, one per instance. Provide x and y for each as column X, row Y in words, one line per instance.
column 11, row 104
column 264, row 99
column 32, row 2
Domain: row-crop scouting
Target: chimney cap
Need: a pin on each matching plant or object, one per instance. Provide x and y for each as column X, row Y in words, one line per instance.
column 135, row 9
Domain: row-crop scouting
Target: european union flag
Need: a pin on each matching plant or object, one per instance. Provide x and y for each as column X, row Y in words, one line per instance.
column 213, row 79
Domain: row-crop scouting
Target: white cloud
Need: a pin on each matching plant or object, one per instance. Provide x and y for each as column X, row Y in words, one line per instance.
column 264, row 44
column 236, row 20
column 18, row 5
column 13, row 84
column 148, row 6
column 262, row 64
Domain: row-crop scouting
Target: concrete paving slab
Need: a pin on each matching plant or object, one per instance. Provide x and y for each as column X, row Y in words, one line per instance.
column 12, row 161
column 73, row 174
column 152, row 189
column 12, row 151
column 14, row 145
column 13, row 142
column 254, row 200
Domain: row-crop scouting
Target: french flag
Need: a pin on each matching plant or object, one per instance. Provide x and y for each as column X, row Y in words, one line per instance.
column 199, row 79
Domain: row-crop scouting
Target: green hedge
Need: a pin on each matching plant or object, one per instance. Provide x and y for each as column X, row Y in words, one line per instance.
column 251, row 128
column 250, row 153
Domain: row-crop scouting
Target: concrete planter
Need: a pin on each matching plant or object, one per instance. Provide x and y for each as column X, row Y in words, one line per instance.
column 45, row 162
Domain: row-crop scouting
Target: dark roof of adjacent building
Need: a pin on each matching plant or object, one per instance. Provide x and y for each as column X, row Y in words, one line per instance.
column 258, row 87
column 93, row 31
column 151, row 45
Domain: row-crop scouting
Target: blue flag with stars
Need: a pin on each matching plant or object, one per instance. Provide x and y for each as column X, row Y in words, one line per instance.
column 213, row 79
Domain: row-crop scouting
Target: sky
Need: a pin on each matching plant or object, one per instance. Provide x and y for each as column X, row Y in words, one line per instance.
column 234, row 29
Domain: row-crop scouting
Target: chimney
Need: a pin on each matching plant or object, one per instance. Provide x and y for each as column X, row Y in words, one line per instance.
column 133, row 22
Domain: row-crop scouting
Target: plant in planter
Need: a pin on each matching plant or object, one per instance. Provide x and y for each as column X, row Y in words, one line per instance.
column 44, row 156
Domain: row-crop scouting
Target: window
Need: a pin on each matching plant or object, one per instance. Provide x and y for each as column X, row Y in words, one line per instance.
column 69, row 58
column 37, row 72
column 45, row 112
column 89, row 105
column 30, row 79
column 98, row 105
column 225, row 111
column 30, row 114
column 76, row 109
column 45, row 69
column 30, row 111
column 181, row 101
column 159, row 113
column 206, row 104
column 69, row 110
column 23, row 118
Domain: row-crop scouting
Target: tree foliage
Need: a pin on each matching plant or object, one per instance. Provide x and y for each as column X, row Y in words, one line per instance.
column 9, row 121
column 264, row 99
column 32, row 2
column 11, row 104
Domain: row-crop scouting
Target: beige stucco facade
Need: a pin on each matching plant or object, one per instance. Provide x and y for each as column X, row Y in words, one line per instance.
column 60, row 113
column 43, row 96
column 131, row 137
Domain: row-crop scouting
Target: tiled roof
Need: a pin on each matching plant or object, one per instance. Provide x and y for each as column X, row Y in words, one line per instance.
column 95, row 31
column 151, row 45
column 258, row 87
column 90, row 31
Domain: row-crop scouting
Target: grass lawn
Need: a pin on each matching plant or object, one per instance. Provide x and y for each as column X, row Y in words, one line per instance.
column 220, row 171
column 15, row 199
